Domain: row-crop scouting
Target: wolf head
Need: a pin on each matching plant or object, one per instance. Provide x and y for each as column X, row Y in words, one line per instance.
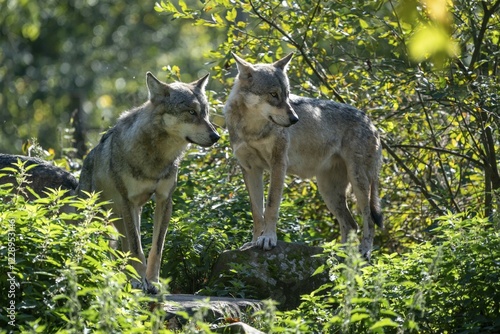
column 265, row 90
column 182, row 109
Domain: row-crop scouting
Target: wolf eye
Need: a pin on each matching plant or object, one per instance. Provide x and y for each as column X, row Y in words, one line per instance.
column 192, row 112
column 273, row 94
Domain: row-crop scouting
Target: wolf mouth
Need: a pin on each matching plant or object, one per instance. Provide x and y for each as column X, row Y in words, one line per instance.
column 189, row 140
column 279, row 124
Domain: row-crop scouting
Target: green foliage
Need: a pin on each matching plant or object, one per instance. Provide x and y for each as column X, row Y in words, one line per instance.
column 80, row 64
column 61, row 277
column 436, row 117
column 448, row 285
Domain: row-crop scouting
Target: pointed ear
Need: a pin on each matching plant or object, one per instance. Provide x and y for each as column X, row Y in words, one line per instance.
column 283, row 62
column 244, row 68
column 202, row 82
column 157, row 90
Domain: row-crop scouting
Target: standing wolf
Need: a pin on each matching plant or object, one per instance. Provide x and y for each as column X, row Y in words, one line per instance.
column 139, row 157
column 270, row 129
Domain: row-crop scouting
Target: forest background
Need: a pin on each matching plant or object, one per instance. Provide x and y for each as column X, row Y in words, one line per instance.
column 426, row 72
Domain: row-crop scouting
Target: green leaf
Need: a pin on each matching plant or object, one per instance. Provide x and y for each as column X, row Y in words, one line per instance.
column 386, row 322
column 231, row 15
column 359, row 316
column 319, row 270
column 363, row 24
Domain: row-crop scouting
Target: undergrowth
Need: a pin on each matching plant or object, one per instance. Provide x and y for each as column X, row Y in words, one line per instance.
column 63, row 277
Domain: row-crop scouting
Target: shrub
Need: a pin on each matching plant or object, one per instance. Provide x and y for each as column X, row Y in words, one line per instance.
column 61, row 276
column 449, row 284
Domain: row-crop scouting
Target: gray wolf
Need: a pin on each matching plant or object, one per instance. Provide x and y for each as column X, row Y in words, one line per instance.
column 271, row 129
column 139, row 158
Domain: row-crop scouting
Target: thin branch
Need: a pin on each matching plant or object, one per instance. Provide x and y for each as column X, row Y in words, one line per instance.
column 478, row 40
column 442, row 150
column 300, row 48
column 401, row 34
column 419, row 183
column 440, row 162
column 310, row 22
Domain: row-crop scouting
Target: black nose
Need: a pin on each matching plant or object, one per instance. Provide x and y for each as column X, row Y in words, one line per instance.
column 214, row 136
column 293, row 119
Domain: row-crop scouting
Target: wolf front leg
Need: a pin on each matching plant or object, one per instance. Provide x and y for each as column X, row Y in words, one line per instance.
column 130, row 228
column 163, row 213
column 269, row 238
column 255, row 188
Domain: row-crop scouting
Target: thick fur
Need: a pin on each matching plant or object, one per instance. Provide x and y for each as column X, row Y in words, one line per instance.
column 270, row 129
column 139, row 158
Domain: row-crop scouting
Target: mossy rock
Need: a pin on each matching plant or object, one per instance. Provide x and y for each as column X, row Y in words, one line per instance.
column 282, row 274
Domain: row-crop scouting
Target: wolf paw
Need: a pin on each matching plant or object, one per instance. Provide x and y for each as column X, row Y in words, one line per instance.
column 267, row 242
column 146, row 286
column 366, row 254
column 248, row 245
column 150, row 289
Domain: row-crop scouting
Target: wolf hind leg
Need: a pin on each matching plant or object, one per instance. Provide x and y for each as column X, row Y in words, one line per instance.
column 332, row 186
column 362, row 188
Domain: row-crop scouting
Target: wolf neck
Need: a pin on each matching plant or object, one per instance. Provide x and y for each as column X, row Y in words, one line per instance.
column 143, row 136
column 147, row 127
column 248, row 122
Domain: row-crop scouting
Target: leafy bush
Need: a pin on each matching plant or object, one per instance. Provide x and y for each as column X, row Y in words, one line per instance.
column 61, row 276
column 450, row 284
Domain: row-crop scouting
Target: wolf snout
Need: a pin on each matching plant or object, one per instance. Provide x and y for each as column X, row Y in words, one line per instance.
column 213, row 137
column 204, row 139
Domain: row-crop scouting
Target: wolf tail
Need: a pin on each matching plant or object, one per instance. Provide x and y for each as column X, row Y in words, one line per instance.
column 375, row 209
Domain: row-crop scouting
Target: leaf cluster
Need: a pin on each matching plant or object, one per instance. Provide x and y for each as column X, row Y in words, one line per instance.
column 59, row 272
column 449, row 284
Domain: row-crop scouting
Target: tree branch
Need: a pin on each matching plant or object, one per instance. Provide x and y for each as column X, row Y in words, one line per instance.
column 478, row 40
column 442, row 150
column 419, row 183
column 310, row 22
column 440, row 162
column 300, row 48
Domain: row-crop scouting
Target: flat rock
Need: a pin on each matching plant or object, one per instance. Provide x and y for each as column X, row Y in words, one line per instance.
column 219, row 306
column 215, row 309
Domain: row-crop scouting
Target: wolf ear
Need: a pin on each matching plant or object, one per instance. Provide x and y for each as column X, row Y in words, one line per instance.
column 202, row 82
column 283, row 62
column 244, row 68
column 157, row 90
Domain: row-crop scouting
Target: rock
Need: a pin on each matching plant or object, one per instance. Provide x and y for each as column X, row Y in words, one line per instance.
column 219, row 306
column 282, row 274
column 238, row 328
column 41, row 177
column 217, row 309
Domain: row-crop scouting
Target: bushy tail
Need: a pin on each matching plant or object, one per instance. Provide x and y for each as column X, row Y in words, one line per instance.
column 375, row 209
